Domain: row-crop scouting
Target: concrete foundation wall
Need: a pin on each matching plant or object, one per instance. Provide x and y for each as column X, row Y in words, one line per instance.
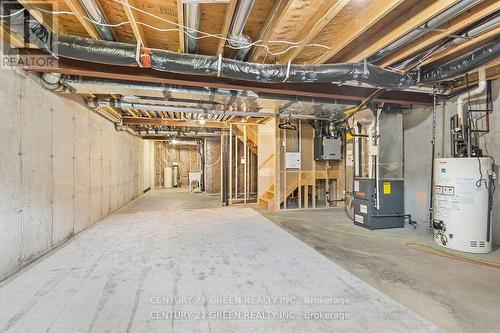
column 62, row 169
column 417, row 137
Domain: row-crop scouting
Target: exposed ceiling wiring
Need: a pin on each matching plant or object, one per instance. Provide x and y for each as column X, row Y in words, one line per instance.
column 257, row 43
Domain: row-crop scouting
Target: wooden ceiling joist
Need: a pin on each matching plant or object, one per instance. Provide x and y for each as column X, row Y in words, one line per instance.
column 466, row 45
column 76, row 7
column 180, row 21
column 228, row 18
column 452, row 27
column 280, row 8
column 137, row 30
column 328, row 10
column 49, row 21
column 372, row 14
column 170, row 122
column 416, row 17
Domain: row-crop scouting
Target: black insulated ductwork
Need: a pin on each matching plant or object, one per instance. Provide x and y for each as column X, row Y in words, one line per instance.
column 121, row 54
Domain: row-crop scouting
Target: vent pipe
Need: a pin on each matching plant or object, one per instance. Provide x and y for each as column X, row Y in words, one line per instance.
column 433, row 23
column 236, row 37
column 465, row 97
column 193, row 12
column 94, row 11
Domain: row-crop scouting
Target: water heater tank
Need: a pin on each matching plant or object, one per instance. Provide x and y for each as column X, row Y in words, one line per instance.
column 462, row 216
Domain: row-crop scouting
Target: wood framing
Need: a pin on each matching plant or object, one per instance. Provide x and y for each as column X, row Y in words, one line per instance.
column 180, row 21
column 366, row 19
column 464, row 46
column 44, row 18
column 138, row 33
column 228, row 17
column 328, row 10
column 418, row 16
column 452, row 27
column 273, row 20
column 76, row 7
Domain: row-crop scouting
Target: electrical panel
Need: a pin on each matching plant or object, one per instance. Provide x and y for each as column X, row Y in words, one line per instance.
column 327, row 148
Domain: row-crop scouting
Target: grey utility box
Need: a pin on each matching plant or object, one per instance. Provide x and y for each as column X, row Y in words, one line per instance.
column 327, row 148
column 390, row 213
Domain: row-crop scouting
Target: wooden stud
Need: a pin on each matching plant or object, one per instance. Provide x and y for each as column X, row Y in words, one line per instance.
column 452, row 27
column 245, row 166
column 273, row 20
column 76, row 7
column 231, row 161
column 236, row 167
column 418, row 16
column 137, row 30
column 313, row 27
column 300, row 166
column 228, row 18
column 277, row 166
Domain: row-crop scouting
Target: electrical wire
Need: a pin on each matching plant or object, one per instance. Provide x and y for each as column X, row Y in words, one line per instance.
column 203, row 33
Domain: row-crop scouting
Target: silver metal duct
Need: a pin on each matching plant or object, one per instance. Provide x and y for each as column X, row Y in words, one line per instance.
column 193, row 12
column 236, row 37
column 433, row 23
column 474, row 32
column 51, row 81
column 149, row 105
column 94, row 11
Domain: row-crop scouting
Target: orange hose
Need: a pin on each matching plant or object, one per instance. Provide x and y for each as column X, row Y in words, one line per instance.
column 417, row 247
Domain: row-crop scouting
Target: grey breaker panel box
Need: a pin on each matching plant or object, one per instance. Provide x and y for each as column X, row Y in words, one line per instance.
column 391, row 201
column 327, row 148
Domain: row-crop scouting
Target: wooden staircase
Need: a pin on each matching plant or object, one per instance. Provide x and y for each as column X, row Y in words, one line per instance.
column 239, row 131
column 266, row 200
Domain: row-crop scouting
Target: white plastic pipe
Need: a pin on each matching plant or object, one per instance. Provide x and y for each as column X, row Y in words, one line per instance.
column 481, row 87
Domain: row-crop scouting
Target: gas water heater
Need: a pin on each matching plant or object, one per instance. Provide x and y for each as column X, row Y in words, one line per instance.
column 463, row 191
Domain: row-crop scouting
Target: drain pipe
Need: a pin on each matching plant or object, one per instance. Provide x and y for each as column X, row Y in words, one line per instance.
column 94, row 11
column 236, row 37
column 433, row 23
column 481, row 87
column 193, row 13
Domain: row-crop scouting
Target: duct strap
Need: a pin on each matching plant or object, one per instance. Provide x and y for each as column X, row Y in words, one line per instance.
column 219, row 64
column 287, row 70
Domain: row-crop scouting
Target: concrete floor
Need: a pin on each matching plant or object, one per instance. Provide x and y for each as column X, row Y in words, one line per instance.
column 456, row 296
column 176, row 254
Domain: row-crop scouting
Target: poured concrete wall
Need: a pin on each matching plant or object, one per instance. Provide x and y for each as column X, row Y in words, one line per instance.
column 417, row 137
column 62, row 169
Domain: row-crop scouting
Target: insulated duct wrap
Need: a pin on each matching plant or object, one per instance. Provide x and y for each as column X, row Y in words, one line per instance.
column 114, row 53
column 464, row 63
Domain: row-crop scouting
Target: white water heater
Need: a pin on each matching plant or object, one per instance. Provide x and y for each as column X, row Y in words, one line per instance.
column 462, row 216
